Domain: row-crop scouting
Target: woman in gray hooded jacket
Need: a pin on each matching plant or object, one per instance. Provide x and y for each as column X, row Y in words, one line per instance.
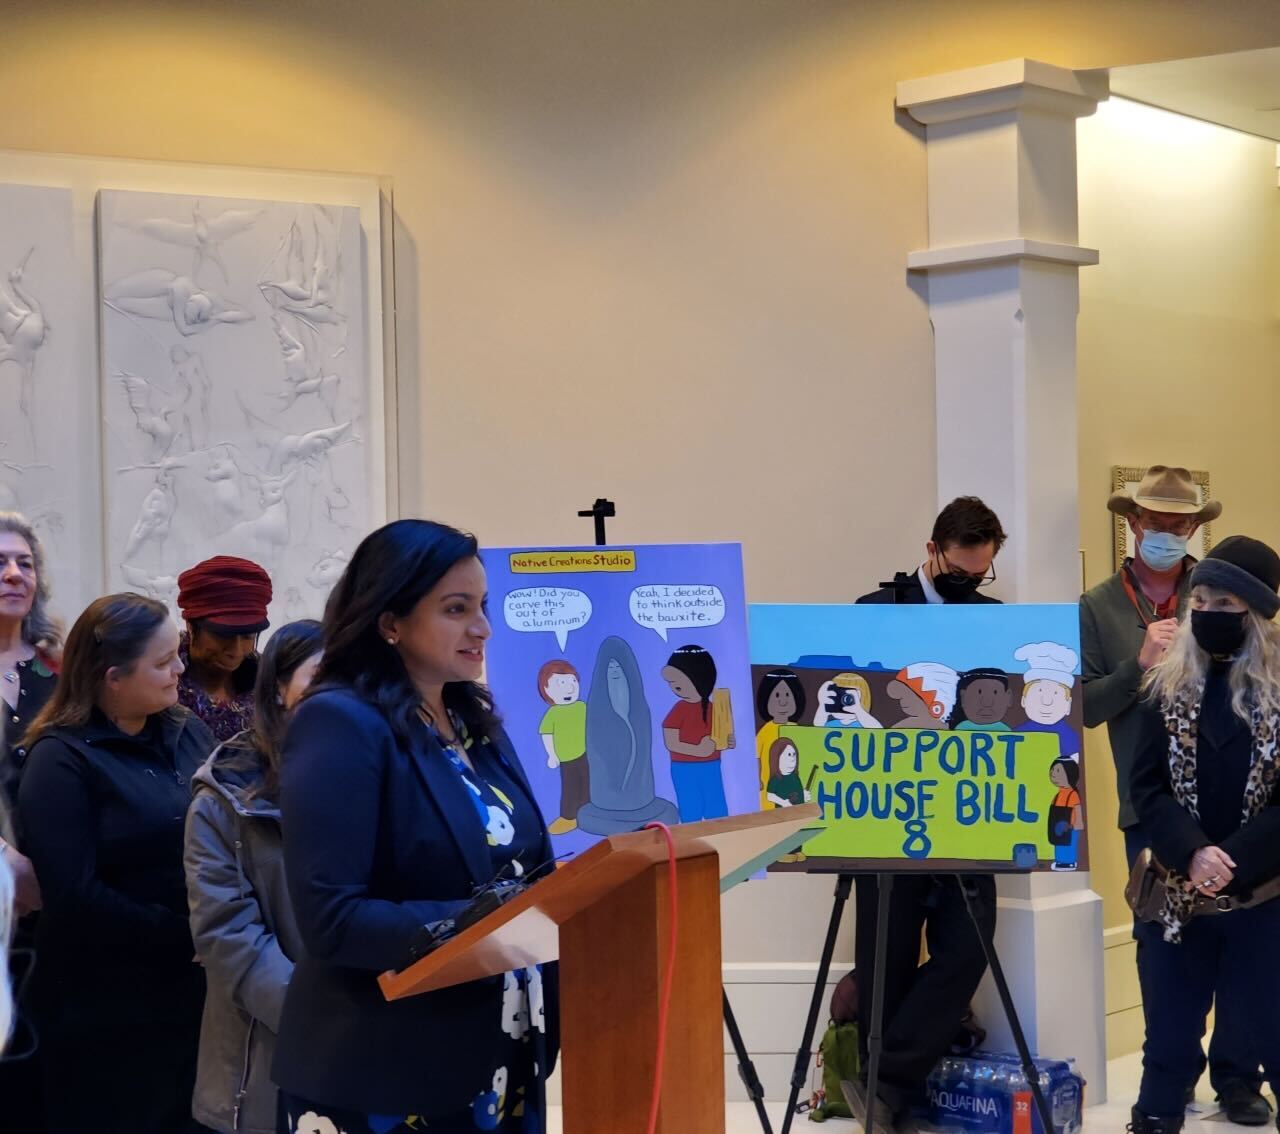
column 241, row 919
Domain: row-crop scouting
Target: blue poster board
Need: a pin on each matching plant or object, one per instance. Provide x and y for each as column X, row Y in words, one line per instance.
column 932, row 737
column 623, row 677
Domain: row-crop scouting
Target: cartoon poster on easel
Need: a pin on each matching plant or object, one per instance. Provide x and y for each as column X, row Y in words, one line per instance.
column 623, row 678
column 932, row 737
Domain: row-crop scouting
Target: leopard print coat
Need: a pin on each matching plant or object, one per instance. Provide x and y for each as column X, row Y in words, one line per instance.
column 1181, row 722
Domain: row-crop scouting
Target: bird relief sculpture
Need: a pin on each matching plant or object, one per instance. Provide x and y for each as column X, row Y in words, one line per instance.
column 308, row 291
column 202, row 235
column 233, row 387
column 24, row 330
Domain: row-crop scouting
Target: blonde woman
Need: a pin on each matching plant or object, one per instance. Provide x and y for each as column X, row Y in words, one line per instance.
column 1206, row 787
column 845, row 702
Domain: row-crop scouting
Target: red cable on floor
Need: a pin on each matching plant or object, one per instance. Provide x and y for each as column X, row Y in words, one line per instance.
column 668, row 978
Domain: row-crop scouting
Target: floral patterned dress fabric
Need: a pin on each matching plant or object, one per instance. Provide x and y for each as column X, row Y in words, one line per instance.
column 513, row 1101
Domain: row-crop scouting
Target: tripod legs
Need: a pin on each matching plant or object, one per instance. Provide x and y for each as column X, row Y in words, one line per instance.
column 875, row 1030
column 746, row 1069
column 1010, row 1012
column 844, row 883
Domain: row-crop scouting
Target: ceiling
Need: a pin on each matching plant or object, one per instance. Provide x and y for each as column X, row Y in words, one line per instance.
column 1240, row 90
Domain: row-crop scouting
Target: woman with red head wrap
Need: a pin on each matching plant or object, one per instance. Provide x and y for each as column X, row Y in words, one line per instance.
column 224, row 604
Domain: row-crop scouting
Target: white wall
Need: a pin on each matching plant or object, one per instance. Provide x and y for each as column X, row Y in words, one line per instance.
column 1179, row 349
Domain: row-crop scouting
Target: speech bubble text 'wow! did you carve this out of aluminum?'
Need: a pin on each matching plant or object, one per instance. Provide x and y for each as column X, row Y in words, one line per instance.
column 551, row 610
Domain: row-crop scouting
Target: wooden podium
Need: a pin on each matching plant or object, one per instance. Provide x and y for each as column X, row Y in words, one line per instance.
column 606, row 917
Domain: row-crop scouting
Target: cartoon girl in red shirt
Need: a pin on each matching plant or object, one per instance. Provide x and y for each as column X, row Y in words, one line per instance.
column 690, row 738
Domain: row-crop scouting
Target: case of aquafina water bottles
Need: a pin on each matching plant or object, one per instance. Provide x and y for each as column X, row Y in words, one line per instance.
column 988, row 1093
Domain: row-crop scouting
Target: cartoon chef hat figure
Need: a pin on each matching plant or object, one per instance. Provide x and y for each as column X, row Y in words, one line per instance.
column 1048, row 661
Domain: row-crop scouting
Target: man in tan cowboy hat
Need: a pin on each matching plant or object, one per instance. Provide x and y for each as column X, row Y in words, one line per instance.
column 1126, row 623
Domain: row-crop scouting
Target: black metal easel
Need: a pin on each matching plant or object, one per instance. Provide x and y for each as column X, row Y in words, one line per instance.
column 746, row 1069
column 600, row 511
column 875, row 1036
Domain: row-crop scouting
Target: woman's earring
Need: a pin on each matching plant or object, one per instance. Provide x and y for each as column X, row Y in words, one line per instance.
column 391, row 641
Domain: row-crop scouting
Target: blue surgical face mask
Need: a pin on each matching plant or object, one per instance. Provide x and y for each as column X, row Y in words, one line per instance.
column 1162, row 551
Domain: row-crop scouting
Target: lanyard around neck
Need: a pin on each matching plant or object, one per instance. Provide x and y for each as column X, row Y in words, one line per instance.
column 1159, row 611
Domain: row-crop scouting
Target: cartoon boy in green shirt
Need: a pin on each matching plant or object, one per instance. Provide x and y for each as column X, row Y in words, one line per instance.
column 564, row 736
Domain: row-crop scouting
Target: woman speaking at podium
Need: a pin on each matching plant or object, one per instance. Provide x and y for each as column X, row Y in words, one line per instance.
column 401, row 799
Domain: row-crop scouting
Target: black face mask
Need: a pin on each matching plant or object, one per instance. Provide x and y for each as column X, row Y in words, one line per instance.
column 954, row 588
column 1220, row 633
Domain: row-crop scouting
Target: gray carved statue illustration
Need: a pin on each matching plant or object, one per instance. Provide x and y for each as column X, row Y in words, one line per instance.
column 24, row 330
column 620, row 747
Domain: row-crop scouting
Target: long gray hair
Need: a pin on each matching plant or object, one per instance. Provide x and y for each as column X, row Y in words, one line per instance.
column 1255, row 673
column 39, row 628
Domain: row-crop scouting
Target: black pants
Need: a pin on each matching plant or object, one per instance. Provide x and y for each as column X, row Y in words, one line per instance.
column 1232, row 1058
column 923, row 1004
column 1229, row 956
column 120, row 1040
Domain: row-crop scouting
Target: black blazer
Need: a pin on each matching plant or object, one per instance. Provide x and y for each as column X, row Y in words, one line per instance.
column 379, row 840
column 912, row 593
column 1173, row 832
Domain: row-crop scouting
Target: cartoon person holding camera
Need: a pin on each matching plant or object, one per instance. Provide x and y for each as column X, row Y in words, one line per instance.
column 845, row 702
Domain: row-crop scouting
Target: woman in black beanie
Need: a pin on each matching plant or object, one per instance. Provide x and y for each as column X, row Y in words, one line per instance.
column 1204, row 784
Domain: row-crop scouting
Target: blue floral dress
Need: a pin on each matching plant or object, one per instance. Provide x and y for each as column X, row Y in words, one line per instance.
column 514, row 1102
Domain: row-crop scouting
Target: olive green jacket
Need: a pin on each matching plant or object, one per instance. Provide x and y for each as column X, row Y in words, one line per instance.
column 1111, row 634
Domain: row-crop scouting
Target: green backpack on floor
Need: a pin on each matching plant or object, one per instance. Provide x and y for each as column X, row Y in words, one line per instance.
column 838, row 1055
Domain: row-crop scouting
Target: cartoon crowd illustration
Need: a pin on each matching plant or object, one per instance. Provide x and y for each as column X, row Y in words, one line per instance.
column 933, row 695
column 601, row 740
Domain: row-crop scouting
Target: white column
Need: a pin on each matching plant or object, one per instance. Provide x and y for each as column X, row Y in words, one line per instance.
column 1003, row 294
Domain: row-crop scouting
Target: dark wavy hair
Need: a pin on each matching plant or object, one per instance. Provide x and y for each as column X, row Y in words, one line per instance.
column 967, row 522
column 259, row 747
column 392, row 570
